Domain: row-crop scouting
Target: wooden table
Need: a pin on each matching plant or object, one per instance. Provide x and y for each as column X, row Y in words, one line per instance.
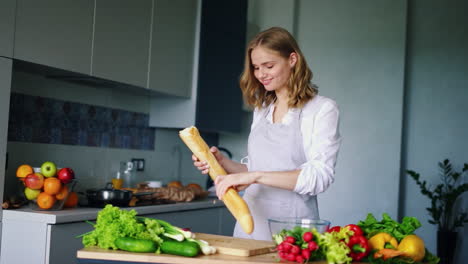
column 94, row 255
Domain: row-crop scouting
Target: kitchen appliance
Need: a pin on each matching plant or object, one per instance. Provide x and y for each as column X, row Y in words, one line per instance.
column 108, row 195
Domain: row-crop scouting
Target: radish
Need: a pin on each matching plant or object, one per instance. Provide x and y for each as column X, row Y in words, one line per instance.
column 306, row 253
column 312, row 246
column 283, row 255
column 286, row 246
column 296, row 250
column 290, row 239
column 280, row 247
column 291, row 257
column 307, row 236
column 299, row 259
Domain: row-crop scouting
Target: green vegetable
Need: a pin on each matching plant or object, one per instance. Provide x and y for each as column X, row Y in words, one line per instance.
column 136, row 245
column 371, row 226
column 204, row 246
column 181, row 248
column 121, row 229
column 331, row 246
column 430, row 258
column 113, row 223
column 171, row 231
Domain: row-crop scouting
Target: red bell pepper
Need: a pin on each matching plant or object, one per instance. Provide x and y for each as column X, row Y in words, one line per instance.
column 359, row 247
column 356, row 229
column 334, row 229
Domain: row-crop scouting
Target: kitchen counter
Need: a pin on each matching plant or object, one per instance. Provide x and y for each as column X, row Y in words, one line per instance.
column 51, row 236
column 87, row 213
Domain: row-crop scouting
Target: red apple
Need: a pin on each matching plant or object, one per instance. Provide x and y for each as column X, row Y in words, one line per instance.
column 34, row 181
column 66, row 175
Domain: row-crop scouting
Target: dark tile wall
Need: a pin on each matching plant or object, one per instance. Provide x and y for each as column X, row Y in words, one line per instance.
column 44, row 120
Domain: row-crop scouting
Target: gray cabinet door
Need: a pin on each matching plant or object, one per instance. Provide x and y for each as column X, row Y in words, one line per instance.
column 201, row 221
column 173, row 39
column 121, row 40
column 6, row 66
column 7, row 25
column 57, row 33
column 63, row 241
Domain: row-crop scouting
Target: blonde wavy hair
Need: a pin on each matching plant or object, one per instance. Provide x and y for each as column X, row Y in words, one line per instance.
column 301, row 90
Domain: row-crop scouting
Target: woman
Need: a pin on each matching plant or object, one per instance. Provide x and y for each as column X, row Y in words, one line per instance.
column 294, row 138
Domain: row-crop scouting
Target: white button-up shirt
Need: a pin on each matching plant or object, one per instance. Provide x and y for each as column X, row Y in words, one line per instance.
column 321, row 141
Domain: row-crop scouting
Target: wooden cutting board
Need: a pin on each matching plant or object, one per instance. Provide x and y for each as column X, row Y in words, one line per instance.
column 237, row 246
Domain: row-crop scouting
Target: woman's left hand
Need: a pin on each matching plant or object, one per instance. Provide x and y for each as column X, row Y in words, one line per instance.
column 238, row 181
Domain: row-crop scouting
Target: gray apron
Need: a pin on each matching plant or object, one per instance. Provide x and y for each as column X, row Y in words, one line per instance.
column 275, row 147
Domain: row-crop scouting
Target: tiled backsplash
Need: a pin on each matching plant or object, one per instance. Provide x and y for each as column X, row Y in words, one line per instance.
column 38, row 119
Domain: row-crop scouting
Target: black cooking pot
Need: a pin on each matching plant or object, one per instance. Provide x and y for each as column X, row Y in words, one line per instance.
column 108, row 195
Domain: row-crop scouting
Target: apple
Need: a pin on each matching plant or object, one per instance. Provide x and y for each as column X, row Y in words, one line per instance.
column 31, row 194
column 66, row 175
column 48, row 169
column 34, row 181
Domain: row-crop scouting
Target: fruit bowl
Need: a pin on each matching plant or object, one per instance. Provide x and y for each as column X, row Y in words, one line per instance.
column 287, row 223
column 57, row 201
column 48, row 188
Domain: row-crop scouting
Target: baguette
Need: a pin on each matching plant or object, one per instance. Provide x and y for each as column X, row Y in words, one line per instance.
column 236, row 205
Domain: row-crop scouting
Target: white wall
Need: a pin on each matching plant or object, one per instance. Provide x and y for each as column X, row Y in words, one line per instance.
column 356, row 52
column 436, row 122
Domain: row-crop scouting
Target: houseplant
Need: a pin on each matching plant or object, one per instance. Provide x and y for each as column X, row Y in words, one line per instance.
column 443, row 212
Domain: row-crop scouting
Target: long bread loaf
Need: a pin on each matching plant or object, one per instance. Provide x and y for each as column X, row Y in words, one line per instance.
column 231, row 198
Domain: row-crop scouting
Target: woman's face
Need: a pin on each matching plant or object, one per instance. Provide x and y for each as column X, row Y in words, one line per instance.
column 271, row 69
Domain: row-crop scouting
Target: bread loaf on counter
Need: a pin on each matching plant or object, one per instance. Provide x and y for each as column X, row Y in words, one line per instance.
column 231, row 198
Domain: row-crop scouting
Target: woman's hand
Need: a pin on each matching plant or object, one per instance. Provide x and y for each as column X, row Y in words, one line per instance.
column 238, row 181
column 203, row 165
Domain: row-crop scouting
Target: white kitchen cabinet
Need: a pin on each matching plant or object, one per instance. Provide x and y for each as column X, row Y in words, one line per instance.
column 7, row 26
column 216, row 101
column 172, row 47
column 56, row 33
column 121, row 40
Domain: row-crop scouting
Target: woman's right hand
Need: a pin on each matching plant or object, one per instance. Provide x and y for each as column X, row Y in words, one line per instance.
column 203, row 166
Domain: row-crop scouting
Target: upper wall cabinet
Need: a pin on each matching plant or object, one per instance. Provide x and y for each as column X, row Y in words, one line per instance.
column 172, row 46
column 121, row 40
column 56, row 33
column 216, row 102
column 7, row 26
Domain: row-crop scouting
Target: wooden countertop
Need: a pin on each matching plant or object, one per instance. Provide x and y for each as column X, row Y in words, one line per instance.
column 108, row 256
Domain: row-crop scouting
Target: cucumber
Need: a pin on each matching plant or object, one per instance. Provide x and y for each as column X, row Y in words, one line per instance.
column 135, row 245
column 184, row 248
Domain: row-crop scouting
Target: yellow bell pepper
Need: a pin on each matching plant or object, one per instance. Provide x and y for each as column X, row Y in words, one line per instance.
column 413, row 247
column 379, row 241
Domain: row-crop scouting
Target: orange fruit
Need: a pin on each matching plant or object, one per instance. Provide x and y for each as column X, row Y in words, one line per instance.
column 62, row 193
column 24, row 170
column 45, row 200
column 72, row 200
column 52, row 185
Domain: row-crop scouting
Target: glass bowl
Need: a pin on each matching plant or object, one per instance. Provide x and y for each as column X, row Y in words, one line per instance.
column 287, row 223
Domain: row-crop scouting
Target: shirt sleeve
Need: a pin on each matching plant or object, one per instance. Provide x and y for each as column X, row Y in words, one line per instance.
column 321, row 139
